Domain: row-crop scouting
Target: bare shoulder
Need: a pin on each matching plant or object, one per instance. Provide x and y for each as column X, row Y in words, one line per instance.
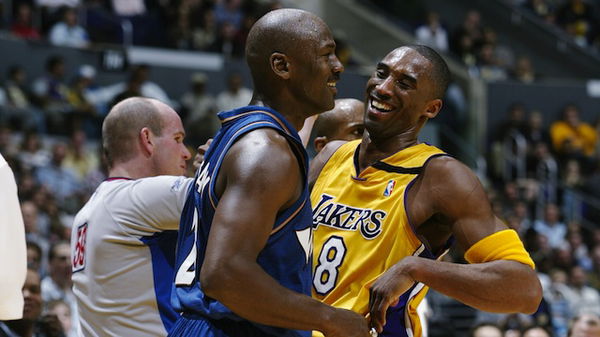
column 450, row 182
column 317, row 164
column 261, row 155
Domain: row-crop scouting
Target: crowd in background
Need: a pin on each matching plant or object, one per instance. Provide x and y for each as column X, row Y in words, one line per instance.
column 50, row 129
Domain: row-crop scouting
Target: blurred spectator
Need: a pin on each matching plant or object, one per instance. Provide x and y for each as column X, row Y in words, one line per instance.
column 32, row 324
column 523, row 70
column 138, row 84
column 594, row 273
column 57, row 3
column 578, row 19
column 129, row 7
column 235, row 95
column 22, row 25
column 579, row 250
column 60, row 181
column 230, row 12
column 585, row 325
column 542, row 8
column 50, row 92
column 488, row 65
column 559, row 305
column 535, row 132
column 79, row 159
column 34, row 256
column 205, row 35
column 486, row 330
column 226, row 42
column 57, row 285
column 68, row 32
column 80, row 95
column 514, row 122
column 536, row 331
column 572, row 180
column 199, row 108
column 33, row 234
column 551, row 227
column 503, row 54
column 468, row 34
column 582, row 298
column 432, row 33
column 573, row 138
column 17, row 108
column 62, row 311
column 31, row 152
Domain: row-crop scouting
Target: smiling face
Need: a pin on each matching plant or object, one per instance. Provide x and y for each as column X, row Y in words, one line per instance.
column 400, row 95
column 317, row 70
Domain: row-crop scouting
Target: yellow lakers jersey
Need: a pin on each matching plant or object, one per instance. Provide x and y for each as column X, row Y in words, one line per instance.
column 361, row 230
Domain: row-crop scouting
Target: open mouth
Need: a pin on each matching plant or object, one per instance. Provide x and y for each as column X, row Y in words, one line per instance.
column 332, row 86
column 380, row 106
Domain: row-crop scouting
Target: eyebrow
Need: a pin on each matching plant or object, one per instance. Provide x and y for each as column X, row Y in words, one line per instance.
column 401, row 76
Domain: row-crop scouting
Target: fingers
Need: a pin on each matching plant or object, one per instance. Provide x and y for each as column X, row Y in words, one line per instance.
column 199, row 158
column 378, row 306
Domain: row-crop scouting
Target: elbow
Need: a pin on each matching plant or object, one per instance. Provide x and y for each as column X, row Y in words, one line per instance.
column 213, row 281
column 532, row 297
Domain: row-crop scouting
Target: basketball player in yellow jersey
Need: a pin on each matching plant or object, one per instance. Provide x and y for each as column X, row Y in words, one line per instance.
column 385, row 208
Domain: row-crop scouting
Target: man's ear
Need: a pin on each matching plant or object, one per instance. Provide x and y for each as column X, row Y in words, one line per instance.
column 280, row 65
column 433, row 108
column 320, row 143
column 146, row 141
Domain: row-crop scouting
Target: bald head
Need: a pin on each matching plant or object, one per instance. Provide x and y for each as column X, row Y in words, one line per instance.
column 343, row 122
column 123, row 123
column 285, row 31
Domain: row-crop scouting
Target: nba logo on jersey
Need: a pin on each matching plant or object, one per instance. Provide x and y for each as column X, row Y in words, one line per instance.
column 79, row 249
column 389, row 188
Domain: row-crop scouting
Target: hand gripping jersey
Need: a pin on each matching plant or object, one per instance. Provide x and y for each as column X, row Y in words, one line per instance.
column 361, row 230
column 123, row 252
column 286, row 256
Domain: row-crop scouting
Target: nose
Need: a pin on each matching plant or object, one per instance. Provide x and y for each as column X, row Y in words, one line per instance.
column 186, row 153
column 384, row 88
column 337, row 65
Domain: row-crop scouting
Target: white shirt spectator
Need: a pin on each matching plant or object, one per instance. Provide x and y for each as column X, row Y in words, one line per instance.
column 228, row 100
column 62, row 34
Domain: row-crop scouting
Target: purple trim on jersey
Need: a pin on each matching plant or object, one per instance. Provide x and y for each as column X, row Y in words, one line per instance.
column 162, row 249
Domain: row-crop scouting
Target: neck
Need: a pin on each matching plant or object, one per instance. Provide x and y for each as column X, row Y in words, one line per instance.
column 131, row 170
column 291, row 115
column 373, row 149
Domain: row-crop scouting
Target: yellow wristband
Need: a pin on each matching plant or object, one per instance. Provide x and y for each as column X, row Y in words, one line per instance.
column 502, row 245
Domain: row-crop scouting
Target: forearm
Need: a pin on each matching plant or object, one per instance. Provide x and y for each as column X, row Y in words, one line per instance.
column 252, row 294
column 495, row 286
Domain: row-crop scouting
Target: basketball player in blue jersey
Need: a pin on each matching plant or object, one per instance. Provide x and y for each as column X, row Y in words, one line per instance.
column 244, row 247
column 123, row 239
column 387, row 207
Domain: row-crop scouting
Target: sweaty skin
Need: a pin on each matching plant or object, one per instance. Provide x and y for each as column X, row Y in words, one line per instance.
column 446, row 200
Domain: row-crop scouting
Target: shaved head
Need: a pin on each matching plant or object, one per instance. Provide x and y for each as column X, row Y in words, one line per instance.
column 283, row 31
column 346, row 110
column 122, row 126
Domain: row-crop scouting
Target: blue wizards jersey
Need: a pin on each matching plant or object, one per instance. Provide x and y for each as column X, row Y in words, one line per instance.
column 286, row 255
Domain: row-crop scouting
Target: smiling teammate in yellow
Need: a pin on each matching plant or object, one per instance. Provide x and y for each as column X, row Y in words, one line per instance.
column 386, row 208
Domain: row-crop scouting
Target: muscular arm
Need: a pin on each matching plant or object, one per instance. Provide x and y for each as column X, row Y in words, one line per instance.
column 450, row 190
column 260, row 176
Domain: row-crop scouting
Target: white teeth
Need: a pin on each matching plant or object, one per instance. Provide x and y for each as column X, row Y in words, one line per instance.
column 381, row 106
column 331, row 84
